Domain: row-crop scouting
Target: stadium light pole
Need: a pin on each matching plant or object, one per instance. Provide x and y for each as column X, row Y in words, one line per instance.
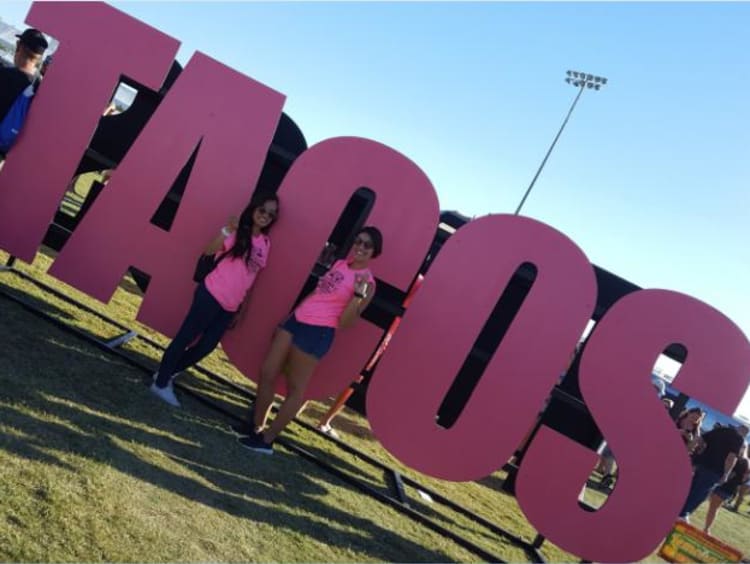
column 580, row 80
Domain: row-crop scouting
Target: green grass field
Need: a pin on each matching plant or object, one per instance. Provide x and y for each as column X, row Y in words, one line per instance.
column 92, row 468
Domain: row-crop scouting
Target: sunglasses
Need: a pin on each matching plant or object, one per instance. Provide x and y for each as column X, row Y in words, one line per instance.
column 359, row 242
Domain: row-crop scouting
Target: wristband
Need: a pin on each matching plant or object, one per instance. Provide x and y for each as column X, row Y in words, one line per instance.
column 360, row 296
column 225, row 231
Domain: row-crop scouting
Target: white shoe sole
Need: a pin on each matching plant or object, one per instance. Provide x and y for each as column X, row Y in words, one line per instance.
column 265, row 451
column 159, row 393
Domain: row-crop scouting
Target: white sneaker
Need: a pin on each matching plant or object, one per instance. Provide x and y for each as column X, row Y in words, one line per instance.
column 328, row 430
column 165, row 394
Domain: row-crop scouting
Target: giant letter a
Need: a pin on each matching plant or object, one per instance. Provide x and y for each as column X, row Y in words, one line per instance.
column 231, row 118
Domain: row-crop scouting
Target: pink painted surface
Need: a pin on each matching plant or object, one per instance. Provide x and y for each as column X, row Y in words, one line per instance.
column 313, row 195
column 440, row 327
column 234, row 118
column 654, row 469
column 97, row 44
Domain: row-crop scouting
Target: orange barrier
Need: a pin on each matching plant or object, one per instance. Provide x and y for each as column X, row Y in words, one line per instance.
column 687, row 544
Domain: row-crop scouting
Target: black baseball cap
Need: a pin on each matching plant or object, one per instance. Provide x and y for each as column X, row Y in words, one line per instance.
column 33, row 40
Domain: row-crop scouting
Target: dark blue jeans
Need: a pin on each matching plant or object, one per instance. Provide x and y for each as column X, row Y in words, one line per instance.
column 704, row 480
column 205, row 318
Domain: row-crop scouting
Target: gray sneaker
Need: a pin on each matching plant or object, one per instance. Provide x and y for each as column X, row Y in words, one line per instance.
column 166, row 394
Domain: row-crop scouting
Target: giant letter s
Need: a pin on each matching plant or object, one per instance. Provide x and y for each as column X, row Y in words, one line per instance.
column 654, row 469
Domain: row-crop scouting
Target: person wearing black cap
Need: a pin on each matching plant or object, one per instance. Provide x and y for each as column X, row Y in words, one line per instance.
column 30, row 49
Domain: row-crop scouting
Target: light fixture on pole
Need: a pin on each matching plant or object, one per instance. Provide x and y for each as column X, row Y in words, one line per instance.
column 580, row 80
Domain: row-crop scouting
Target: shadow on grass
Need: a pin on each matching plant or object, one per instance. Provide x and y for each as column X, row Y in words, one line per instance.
column 493, row 481
column 33, row 300
column 63, row 397
column 445, row 517
column 127, row 283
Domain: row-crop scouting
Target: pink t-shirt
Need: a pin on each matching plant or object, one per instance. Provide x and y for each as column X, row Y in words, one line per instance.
column 334, row 291
column 232, row 277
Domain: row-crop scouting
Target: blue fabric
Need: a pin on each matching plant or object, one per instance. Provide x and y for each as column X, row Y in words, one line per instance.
column 11, row 124
column 207, row 319
column 314, row 340
column 704, row 480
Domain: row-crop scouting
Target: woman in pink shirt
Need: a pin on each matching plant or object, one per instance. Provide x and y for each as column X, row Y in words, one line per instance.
column 304, row 338
column 242, row 250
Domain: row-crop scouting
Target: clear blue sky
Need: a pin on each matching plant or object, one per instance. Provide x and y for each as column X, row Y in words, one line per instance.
column 650, row 178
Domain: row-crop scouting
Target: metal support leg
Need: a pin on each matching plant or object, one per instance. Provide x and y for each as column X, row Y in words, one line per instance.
column 121, row 340
column 400, row 491
column 8, row 263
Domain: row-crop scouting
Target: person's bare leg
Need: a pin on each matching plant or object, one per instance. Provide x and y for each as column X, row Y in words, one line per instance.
column 277, row 354
column 335, row 409
column 714, row 502
column 337, row 406
column 741, row 492
column 300, row 369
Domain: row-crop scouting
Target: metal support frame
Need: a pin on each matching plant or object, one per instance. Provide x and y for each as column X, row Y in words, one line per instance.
column 121, row 339
column 399, row 502
column 8, row 263
column 398, row 483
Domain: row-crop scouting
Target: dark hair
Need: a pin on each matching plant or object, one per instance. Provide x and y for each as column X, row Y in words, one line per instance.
column 687, row 412
column 377, row 239
column 243, row 244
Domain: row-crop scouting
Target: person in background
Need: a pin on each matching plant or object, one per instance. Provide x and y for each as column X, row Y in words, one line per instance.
column 734, row 505
column 342, row 294
column 689, row 424
column 244, row 249
column 607, row 465
column 726, row 490
column 713, row 464
column 110, row 110
column 30, row 49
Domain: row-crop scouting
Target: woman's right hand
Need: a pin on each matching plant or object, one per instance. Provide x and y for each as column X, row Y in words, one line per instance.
column 361, row 287
column 233, row 223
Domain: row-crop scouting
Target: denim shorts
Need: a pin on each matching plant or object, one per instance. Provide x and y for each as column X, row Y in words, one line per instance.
column 723, row 493
column 314, row 340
